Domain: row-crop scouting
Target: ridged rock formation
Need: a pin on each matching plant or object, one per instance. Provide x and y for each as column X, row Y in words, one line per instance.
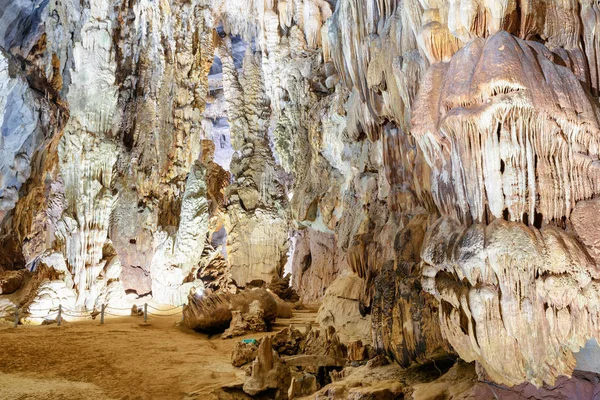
column 503, row 115
column 517, row 299
column 256, row 220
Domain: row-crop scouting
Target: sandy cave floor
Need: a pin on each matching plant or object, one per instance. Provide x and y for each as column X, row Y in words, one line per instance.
column 122, row 359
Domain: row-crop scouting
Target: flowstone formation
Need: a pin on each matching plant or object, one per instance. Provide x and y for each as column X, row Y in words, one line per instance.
column 426, row 171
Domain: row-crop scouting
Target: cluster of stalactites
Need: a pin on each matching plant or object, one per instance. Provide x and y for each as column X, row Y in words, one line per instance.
column 263, row 19
column 518, row 300
column 247, row 104
column 373, row 46
column 508, row 133
column 570, row 26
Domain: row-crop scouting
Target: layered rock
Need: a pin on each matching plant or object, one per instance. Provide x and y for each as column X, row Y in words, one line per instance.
column 518, row 300
column 510, row 143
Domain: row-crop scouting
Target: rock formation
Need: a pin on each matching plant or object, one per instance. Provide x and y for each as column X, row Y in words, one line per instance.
column 426, row 171
column 251, row 310
column 268, row 373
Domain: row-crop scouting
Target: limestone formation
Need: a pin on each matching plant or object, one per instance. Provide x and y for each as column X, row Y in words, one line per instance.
column 256, row 309
column 304, row 385
column 517, row 299
column 427, row 172
column 492, row 129
column 243, row 353
column 11, row 281
column 251, row 321
column 340, row 309
column 405, row 319
column 268, row 373
column 176, row 258
column 214, row 270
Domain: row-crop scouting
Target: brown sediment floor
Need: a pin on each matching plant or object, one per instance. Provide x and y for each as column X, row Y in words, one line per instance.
column 122, row 359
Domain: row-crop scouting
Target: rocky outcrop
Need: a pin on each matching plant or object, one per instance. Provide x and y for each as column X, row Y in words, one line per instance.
column 256, row 224
column 517, row 299
column 214, row 313
column 585, row 227
column 243, row 353
column 11, row 281
column 175, row 262
column 268, row 373
column 511, row 114
column 314, row 263
column 340, row 309
column 405, row 319
column 251, row 321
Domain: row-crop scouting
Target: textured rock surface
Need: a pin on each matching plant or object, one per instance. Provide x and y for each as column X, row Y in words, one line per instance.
column 314, row 263
column 214, row 313
column 428, row 170
column 340, row 309
column 268, row 372
column 586, row 228
column 528, row 284
column 405, row 318
column 243, row 353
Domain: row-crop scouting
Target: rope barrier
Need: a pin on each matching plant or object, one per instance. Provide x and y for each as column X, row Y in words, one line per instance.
column 56, row 308
column 48, row 316
column 118, row 315
column 119, row 309
column 78, row 311
column 164, row 315
column 76, row 315
column 160, row 309
column 57, row 313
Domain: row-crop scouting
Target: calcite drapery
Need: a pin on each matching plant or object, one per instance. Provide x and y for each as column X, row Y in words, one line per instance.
column 502, row 114
column 175, row 263
column 517, row 299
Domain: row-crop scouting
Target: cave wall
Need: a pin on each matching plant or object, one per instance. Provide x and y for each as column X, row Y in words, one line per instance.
column 427, row 170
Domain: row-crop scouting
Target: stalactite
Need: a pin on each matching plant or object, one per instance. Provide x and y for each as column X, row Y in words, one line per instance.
column 526, row 153
column 506, row 299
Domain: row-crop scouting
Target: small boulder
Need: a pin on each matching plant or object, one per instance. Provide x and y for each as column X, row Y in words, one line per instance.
column 11, row 281
column 243, row 353
column 357, row 353
column 288, row 341
column 252, row 321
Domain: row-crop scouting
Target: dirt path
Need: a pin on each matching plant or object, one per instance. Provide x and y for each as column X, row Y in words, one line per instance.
column 121, row 359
